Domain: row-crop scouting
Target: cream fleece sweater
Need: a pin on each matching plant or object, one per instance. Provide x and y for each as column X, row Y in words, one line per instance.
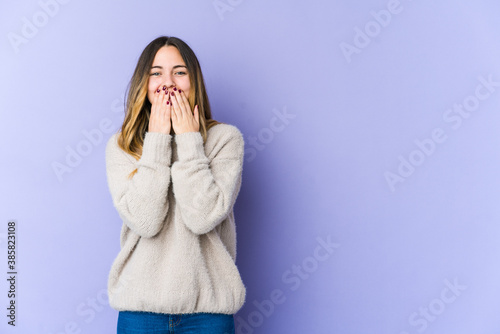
column 178, row 238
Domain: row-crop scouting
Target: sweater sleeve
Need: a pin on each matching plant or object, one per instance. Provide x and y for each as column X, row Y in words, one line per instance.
column 206, row 189
column 141, row 201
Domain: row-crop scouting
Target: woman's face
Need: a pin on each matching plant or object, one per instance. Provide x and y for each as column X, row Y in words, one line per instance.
column 168, row 70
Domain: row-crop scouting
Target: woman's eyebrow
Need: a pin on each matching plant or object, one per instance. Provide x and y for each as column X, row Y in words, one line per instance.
column 176, row 66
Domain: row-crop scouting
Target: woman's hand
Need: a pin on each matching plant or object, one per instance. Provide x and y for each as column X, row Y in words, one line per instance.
column 159, row 120
column 183, row 119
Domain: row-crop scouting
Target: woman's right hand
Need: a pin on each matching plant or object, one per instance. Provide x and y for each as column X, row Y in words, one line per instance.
column 159, row 120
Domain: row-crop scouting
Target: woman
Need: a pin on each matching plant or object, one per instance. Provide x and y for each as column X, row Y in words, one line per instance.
column 174, row 174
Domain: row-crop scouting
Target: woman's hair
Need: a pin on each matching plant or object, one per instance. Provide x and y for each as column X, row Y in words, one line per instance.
column 138, row 107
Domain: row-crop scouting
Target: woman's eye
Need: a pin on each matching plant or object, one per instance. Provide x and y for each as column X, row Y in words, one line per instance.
column 155, row 73
column 180, row 73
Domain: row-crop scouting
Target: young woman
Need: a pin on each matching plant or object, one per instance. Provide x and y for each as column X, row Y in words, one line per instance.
column 174, row 174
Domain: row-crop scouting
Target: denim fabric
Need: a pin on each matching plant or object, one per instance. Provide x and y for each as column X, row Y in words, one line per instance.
column 132, row 322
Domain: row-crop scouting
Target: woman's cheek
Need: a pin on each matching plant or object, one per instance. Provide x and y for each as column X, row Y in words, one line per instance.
column 150, row 95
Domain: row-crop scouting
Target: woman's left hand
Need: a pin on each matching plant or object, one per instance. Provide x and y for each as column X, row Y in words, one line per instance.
column 183, row 119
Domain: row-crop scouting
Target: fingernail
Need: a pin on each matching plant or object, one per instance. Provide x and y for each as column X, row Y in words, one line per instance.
column 168, row 102
column 175, row 88
column 158, row 90
column 173, row 93
column 180, row 91
column 164, row 87
column 166, row 92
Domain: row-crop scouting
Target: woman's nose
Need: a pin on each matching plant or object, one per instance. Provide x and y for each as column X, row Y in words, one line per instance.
column 168, row 82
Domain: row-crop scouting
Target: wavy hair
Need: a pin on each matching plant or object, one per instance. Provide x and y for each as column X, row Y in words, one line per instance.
column 138, row 107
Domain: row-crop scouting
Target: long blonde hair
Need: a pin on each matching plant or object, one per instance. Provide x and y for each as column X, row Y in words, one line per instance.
column 138, row 107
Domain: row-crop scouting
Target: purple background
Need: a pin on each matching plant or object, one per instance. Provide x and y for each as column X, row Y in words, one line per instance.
column 319, row 175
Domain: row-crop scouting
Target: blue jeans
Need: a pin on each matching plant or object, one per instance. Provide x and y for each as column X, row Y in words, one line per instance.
column 133, row 322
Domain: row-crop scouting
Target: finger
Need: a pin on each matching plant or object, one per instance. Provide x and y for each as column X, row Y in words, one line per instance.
column 184, row 108
column 155, row 101
column 164, row 97
column 185, row 102
column 159, row 102
column 173, row 114
column 159, row 92
column 167, row 96
column 154, row 112
column 197, row 114
column 167, row 104
column 175, row 105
